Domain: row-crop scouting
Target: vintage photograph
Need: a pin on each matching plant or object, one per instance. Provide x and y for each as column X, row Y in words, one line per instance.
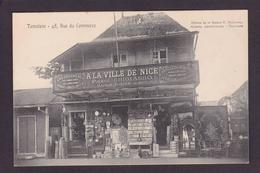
column 130, row 88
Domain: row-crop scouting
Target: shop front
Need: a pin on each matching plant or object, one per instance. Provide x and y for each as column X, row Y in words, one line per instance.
column 134, row 111
column 127, row 129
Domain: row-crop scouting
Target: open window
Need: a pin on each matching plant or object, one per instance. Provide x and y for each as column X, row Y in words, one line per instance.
column 160, row 56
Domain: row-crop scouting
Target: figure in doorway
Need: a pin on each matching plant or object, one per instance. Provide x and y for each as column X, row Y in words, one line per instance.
column 162, row 121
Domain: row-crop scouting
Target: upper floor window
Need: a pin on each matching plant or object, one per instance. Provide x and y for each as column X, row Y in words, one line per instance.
column 119, row 61
column 160, row 56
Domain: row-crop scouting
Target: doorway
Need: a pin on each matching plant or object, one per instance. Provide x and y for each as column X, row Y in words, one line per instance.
column 122, row 112
column 26, row 132
column 77, row 129
column 188, row 136
column 78, row 126
column 162, row 122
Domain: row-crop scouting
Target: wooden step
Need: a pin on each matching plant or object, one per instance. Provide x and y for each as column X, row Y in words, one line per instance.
column 164, row 151
column 77, row 146
column 77, row 155
column 168, row 155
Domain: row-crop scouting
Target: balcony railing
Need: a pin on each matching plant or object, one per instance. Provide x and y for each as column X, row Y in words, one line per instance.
column 178, row 73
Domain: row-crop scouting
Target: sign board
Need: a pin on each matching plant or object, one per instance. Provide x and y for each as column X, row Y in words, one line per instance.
column 127, row 77
column 140, row 131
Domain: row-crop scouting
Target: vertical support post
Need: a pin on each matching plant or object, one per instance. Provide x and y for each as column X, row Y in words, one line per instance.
column 70, row 130
column 117, row 51
column 46, row 131
column 70, row 64
column 83, row 61
column 18, row 147
column 86, row 135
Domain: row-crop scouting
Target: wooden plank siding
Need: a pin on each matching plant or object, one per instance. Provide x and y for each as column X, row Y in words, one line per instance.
column 137, row 52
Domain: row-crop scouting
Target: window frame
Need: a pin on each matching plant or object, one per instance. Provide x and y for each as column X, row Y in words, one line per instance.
column 120, row 64
column 159, row 55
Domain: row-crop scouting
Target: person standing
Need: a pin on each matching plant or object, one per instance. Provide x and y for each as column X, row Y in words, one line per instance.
column 161, row 125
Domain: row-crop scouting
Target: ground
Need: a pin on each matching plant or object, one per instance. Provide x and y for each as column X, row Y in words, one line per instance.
column 152, row 161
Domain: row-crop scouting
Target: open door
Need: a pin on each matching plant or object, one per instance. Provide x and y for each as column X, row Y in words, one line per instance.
column 77, row 128
column 161, row 125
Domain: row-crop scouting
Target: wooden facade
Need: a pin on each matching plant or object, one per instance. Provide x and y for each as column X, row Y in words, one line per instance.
column 33, row 117
column 146, row 76
column 30, row 131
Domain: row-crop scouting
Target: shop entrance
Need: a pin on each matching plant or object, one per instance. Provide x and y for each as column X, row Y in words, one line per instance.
column 122, row 113
column 162, row 121
column 187, row 133
column 77, row 128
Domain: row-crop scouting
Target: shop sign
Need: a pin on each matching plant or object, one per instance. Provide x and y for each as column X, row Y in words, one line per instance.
column 140, row 131
column 127, row 77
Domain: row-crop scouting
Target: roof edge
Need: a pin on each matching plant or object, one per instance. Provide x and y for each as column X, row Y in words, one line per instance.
column 109, row 40
column 30, row 106
column 66, row 51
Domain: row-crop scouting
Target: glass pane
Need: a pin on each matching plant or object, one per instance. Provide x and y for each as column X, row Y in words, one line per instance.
column 115, row 59
column 163, row 54
column 155, row 57
column 155, row 54
column 123, row 58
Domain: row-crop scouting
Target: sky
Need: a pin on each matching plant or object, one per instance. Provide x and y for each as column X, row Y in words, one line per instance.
column 222, row 46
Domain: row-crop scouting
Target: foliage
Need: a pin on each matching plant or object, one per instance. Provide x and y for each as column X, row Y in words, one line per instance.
column 238, row 101
column 211, row 127
column 211, row 132
column 48, row 71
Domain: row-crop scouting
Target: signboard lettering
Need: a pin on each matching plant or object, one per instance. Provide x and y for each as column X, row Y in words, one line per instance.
column 126, row 77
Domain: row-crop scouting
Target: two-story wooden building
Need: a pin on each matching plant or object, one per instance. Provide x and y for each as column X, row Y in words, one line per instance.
column 131, row 87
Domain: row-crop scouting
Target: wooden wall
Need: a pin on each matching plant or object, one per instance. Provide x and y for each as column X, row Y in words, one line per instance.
column 40, row 127
column 180, row 48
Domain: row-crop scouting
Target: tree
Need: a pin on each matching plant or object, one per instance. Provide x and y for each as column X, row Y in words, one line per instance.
column 238, row 101
column 211, row 132
column 48, row 71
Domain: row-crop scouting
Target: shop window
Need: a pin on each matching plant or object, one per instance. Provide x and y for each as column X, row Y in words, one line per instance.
column 121, row 61
column 160, row 56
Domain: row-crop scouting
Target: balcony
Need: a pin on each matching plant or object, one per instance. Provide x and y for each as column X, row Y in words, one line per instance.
column 178, row 73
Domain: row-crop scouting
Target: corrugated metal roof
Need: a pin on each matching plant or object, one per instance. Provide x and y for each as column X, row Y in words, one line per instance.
column 134, row 28
column 34, row 97
column 151, row 24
